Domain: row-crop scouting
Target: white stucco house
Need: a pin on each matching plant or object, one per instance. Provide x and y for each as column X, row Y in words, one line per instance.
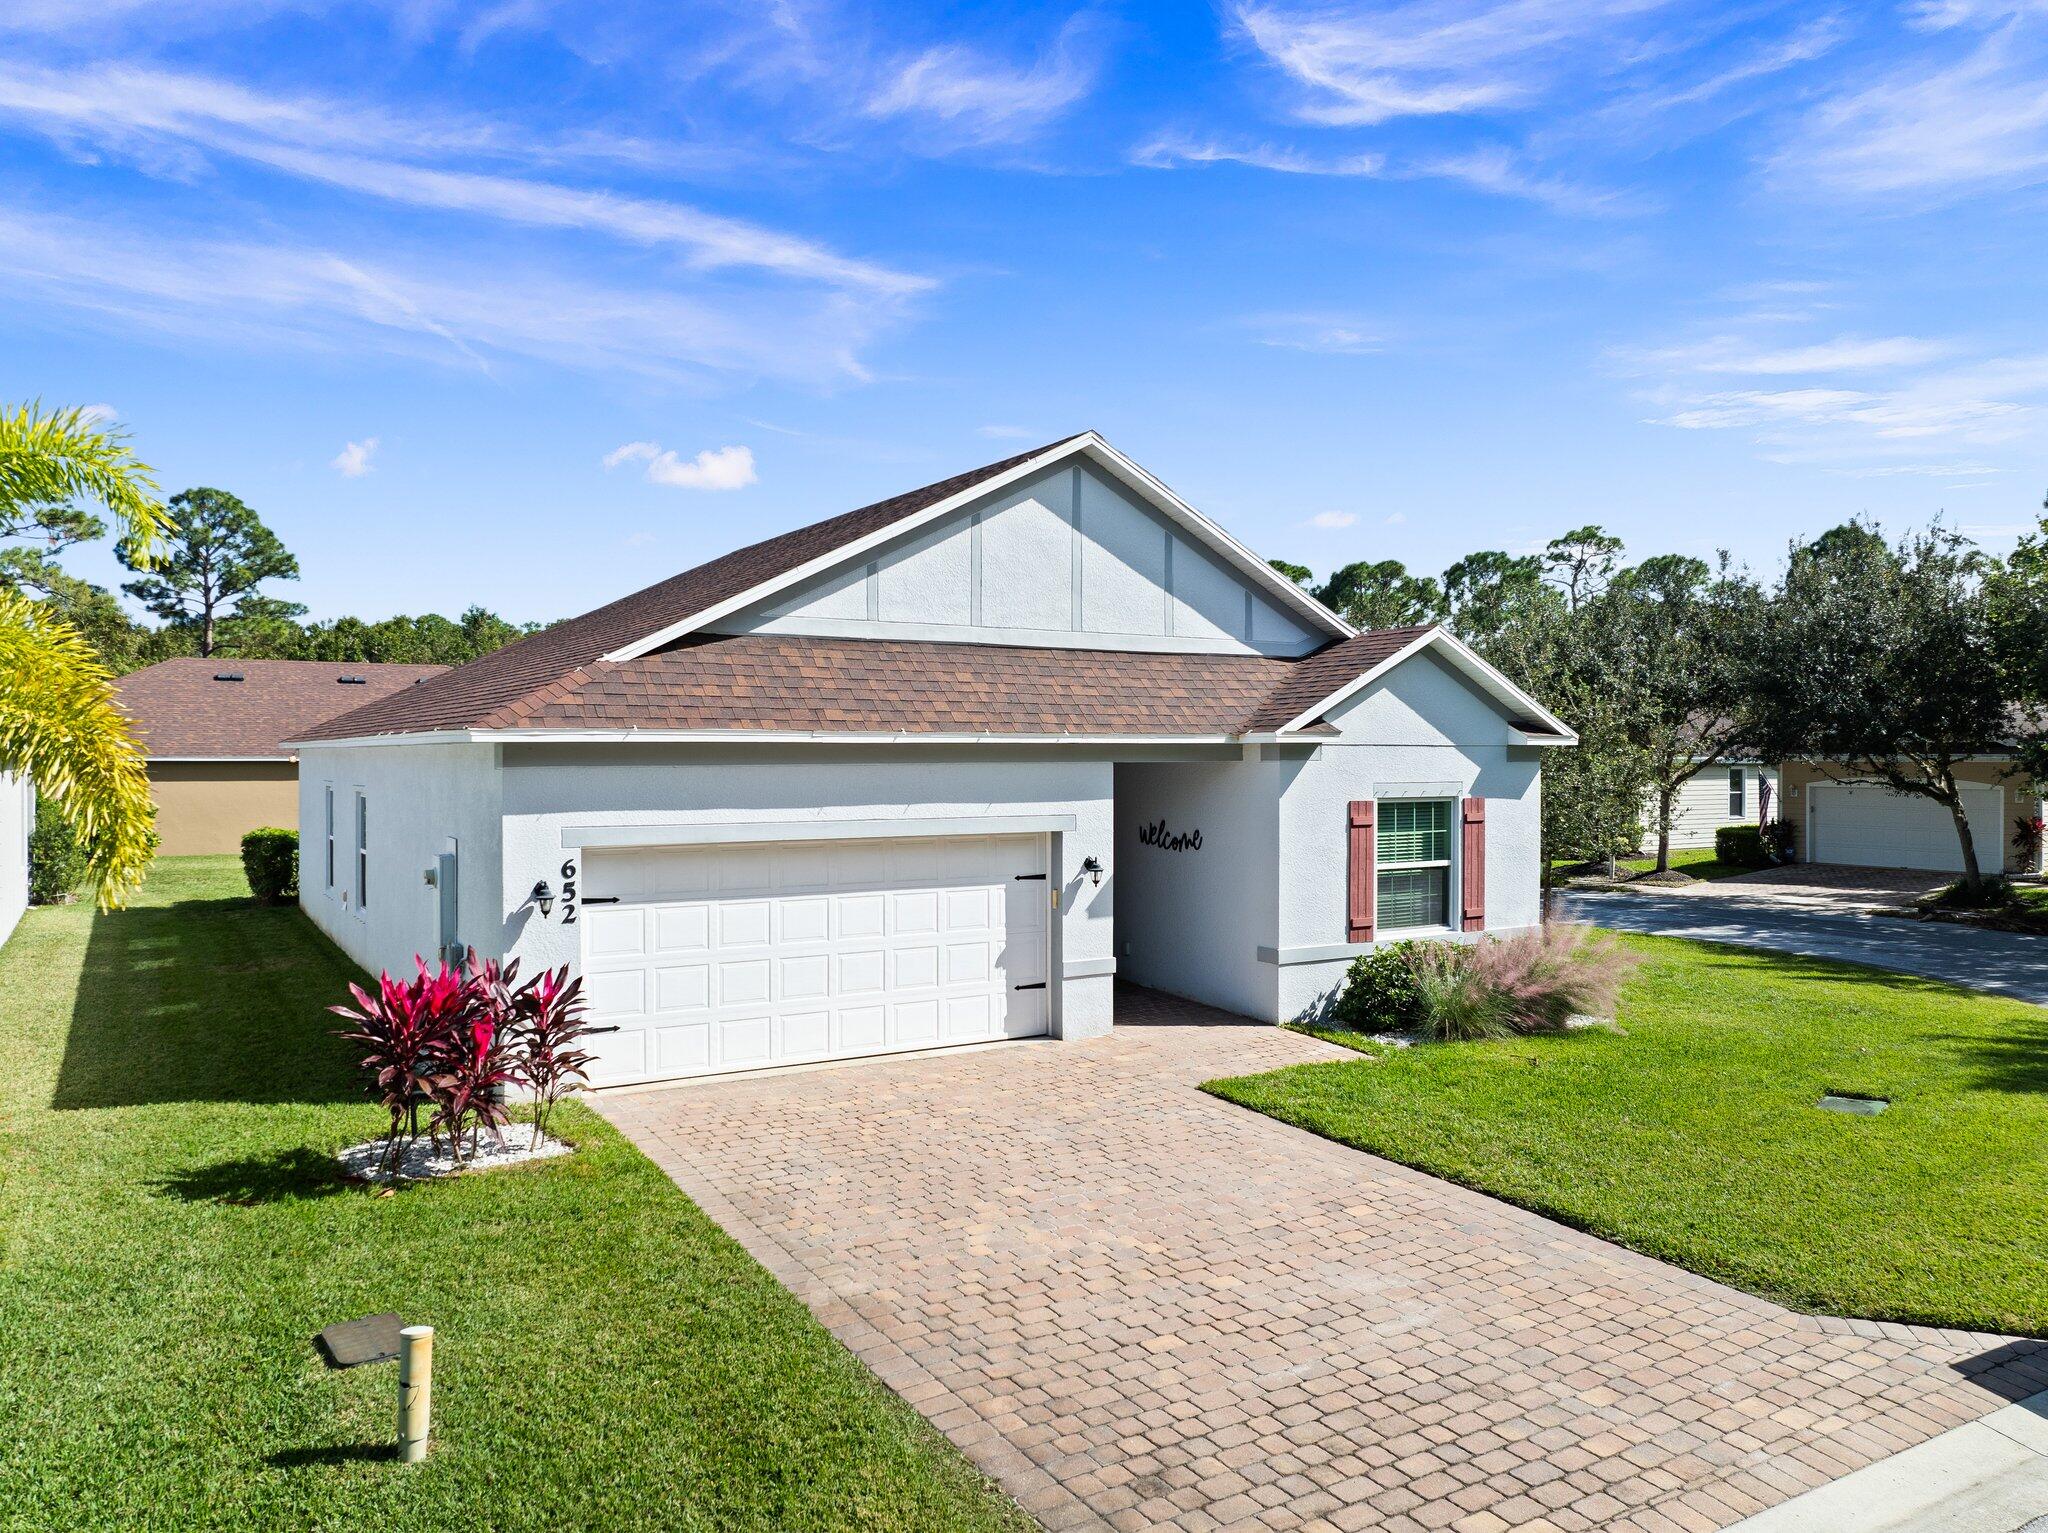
column 933, row 772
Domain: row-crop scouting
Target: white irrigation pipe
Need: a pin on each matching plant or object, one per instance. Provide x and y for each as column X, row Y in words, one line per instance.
column 415, row 1391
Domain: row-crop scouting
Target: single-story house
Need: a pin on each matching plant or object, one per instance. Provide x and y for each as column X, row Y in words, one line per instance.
column 213, row 731
column 1837, row 816
column 1732, row 790
column 931, row 772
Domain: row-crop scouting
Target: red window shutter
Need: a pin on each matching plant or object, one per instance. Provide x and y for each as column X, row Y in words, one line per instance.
column 1358, row 920
column 1474, row 881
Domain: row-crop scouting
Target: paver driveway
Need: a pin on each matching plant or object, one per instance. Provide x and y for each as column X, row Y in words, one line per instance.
column 1138, row 1306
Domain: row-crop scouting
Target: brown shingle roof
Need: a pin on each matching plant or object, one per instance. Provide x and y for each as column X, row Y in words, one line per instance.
column 179, row 708
column 804, row 683
column 473, row 696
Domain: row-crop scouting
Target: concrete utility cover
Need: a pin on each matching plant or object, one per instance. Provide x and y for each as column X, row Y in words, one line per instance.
column 352, row 1343
column 1862, row 1107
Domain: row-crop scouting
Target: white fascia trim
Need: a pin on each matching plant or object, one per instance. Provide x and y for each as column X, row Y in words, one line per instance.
column 1464, row 660
column 1089, row 443
column 286, row 759
column 760, row 737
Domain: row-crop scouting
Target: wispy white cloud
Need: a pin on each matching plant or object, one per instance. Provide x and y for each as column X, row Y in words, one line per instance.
column 984, row 100
column 1331, row 521
column 1009, row 433
column 1964, row 112
column 1168, row 151
column 1840, row 354
column 1339, row 334
column 99, row 414
column 353, row 461
column 450, row 309
column 723, row 468
column 1358, row 67
column 375, row 153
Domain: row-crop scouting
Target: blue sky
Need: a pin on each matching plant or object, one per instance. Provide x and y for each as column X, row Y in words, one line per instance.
column 530, row 303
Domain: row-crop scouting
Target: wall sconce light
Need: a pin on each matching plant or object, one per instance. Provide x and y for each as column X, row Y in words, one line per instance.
column 1092, row 866
column 544, row 897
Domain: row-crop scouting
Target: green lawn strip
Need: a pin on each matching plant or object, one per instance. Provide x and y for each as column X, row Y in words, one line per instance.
column 1693, row 1135
column 173, row 1236
column 1693, row 861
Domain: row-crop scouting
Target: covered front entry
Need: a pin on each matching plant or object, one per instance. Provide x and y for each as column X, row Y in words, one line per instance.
column 1867, row 825
column 707, row 959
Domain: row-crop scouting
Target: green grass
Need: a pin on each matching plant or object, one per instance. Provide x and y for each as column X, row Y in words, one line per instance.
column 1693, row 1135
column 1693, row 861
column 173, row 1235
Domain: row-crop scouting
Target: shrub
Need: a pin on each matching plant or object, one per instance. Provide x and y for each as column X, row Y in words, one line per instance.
column 2026, row 840
column 270, row 858
column 456, row 1040
column 56, row 857
column 1741, row 846
column 1380, row 993
column 1993, row 892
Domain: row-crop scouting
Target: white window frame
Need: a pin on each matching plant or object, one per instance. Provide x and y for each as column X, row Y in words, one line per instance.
column 327, row 793
column 1738, row 792
column 360, row 835
column 1448, row 862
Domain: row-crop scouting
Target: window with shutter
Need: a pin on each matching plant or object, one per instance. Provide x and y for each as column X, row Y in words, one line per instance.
column 1413, row 864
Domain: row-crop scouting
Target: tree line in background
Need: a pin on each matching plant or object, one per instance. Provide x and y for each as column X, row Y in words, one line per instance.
column 1895, row 660
column 205, row 585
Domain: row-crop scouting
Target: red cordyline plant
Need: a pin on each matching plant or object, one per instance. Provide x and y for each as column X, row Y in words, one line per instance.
column 547, row 1014
column 407, row 1031
column 457, row 1040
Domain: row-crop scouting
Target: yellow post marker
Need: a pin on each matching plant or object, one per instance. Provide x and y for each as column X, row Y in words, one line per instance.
column 415, row 1391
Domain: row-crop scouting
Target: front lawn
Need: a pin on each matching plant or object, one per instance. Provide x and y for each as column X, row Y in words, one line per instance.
column 1693, row 861
column 1694, row 1135
column 174, row 1234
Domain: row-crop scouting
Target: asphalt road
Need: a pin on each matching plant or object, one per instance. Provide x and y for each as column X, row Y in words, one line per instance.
column 2006, row 963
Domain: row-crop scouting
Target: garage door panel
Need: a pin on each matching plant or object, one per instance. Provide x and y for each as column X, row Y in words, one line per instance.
column 863, row 973
column 863, row 1029
column 682, row 1047
column 744, row 1041
column 1867, row 825
column 743, row 923
column 615, row 931
column 621, row 993
column 812, row 953
column 806, row 1033
column 743, row 982
column 686, row 987
column 804, row 920
column 805, row 978
column 916, row 1021
column 682, row 928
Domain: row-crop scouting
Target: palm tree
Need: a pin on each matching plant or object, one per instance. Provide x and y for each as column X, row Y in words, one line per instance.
column 59, row 725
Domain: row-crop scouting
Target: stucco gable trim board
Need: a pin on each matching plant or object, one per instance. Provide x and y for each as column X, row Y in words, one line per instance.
column 1088, row 444
column 1510, row 698
column 743, row 832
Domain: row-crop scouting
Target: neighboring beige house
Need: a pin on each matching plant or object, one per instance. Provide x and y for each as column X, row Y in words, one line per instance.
column 1734, row 791
column 1838, row 817
column 212, row 731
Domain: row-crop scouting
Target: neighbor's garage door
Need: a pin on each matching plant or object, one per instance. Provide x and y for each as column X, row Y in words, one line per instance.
column 736, row 957
column 1869, row 826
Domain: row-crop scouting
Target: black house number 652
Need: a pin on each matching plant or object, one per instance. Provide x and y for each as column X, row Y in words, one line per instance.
column 569, row 891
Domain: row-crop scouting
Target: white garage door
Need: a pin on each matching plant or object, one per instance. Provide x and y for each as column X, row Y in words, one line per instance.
column 723, row 958
column 1872, row 827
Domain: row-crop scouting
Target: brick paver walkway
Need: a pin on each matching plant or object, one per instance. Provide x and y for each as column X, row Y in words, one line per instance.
column 1140, row 1307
